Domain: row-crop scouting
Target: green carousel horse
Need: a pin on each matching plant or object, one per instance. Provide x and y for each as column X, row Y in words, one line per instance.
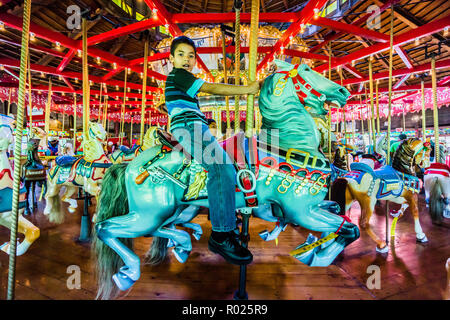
column 124, row 154
column 148, row 194
column 86, row 172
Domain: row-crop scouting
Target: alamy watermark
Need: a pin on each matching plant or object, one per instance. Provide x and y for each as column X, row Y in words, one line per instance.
column 74, row 280
column 74, row 19
column 374, row 280
column 374, row 20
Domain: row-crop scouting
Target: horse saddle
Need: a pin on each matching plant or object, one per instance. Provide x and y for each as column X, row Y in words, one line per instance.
column 438, row 168
column 128, row 151
column 6, row 198
column 65, row 161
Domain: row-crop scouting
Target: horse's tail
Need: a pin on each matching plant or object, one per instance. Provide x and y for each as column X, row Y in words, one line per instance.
column 158, row 251
column 113, row 202
column 436, row 204
column 338, row 189
column 55, row 215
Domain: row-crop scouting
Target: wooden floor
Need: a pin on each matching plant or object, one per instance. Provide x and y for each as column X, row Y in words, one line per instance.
column 409, row 271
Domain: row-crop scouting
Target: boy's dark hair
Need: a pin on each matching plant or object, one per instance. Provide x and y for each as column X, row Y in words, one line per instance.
column 210, row 121
column 181, row 39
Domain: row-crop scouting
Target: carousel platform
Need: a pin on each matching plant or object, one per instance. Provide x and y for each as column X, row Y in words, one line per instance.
column 409, row 271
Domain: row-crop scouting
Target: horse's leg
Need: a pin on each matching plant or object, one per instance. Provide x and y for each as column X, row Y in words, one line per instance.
column 411, row 198
column 33, row 197
column 445, row 184
column 182, row 240
column 66, row 197
column 367, row 207
column 264, row 212
column 27, row 196
column 31, row 233
column 186, row 216
column 131, row 225
column 319, row 219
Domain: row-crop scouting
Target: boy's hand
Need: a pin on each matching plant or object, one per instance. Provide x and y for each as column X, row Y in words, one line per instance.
column 253, row 87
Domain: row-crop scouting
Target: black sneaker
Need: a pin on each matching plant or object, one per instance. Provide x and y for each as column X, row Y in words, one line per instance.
column 231, row 250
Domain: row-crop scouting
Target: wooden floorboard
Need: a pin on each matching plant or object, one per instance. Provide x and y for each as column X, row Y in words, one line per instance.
column 409, row 271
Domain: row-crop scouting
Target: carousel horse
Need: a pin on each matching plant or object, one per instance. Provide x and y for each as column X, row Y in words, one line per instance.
column 380, row 147
column 30, row 231
column 437, row 188
column 124, row 154
column 86, row 172
column 397, row 184
column 66, row 149
column 34, row 173
column 142, row 197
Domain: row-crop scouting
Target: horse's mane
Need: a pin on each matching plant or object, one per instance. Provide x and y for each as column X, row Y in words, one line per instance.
column 340, row 160
column 403, row 156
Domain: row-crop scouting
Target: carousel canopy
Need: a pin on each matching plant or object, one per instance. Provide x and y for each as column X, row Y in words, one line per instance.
column 297, row 31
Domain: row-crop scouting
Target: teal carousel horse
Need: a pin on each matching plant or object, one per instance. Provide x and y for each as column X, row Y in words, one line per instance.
column 144, row 196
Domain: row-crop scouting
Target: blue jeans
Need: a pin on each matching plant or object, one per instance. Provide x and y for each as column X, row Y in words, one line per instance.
column 198, row 141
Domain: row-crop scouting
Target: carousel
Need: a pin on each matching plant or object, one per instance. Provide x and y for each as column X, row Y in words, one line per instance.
column 340, row 160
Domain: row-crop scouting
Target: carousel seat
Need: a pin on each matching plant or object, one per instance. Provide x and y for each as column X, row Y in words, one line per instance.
column 128, row 151
column 65, row 161
column 387, row 174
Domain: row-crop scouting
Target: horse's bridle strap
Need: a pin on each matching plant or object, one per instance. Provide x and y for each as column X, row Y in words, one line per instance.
column 296, row 78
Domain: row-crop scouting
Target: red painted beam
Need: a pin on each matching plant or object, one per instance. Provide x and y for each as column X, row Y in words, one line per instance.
column 66, row 60
column 361, row 20
column 350, row 28
column 408, row 36
column 353, row 71
column 404, row 56
column 445, row 80
column 400, row 72
column 271, row 17
column 112, row 73
column 69, row 84
column 306, row 15
column 75, row 75
column 401, row 81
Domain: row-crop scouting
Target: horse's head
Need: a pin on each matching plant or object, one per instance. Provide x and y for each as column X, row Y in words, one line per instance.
column 6, row 132
column 96, row 131
column 310, row 88
column 411, row 152
column 151, row 138
column 36, row 133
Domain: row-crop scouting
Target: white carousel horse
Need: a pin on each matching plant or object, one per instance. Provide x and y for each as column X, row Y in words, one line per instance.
column 437, row 188
column 86, row 172
column 25, row 227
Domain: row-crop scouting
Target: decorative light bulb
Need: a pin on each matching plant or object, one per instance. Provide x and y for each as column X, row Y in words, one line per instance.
column 2, row 26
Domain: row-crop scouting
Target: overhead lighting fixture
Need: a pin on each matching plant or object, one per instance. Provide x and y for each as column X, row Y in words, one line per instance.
column 417, row 41
column 316, row 13
column 114, row 65
column 98, row 60
column 79, row 53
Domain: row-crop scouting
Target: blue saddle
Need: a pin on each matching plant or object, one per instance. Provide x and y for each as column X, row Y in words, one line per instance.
column 127, row 150
column 65, row 161
column 360, row 166
column 6, row 197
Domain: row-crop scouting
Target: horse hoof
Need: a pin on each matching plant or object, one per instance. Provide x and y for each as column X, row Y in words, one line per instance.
column 394, row 213
column 71, row 209
column 180, row 254
column 5, row 247
column 423, row 239
column 171, row 243
column 264, row 235
column 382, row 250
column 197, row 235
column 122, row 281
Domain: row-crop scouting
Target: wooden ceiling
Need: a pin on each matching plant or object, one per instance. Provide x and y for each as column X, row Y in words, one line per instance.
column 51, row 14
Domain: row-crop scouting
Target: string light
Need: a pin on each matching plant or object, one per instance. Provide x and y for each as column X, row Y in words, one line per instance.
column 117, row 87
column 445, row 31
column 2, row 26
column 417, row 41
column 316, row 13
column 114, row 65
column 58, row 45
column 79, row 53
column 98, row 60
column 76, row 80
column 32, row 36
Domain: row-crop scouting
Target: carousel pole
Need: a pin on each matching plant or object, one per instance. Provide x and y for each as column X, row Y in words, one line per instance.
column 47, row 110
column 29, row 94
column 371, row 103
column 369, row 123
column 353, row 127
column 424, row 114
column 17, row 151
column 9, row 102
column 362, row 120
column 241, row 293
column 122, row 112
column 329, row 114
column 144, row 87
column 237, row 62
column 225, row 79
column 85, row 221
column 100, row 107
column 75, row 123
column 378, row 108
column 391, row 41
column 435, row 110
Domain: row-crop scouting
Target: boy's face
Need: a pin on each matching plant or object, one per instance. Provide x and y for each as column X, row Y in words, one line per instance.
column 184, row 57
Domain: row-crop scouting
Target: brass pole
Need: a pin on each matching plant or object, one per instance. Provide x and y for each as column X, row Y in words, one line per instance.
column 225, row 79
column 75, row 123
column 237, row 68
column 122, row 112
column 378, row 108
column 424, row 114
column 252, row 66
column 371, row 103
column 435, row 111
column 17, row 150
column 144, row 90
column 86, row 88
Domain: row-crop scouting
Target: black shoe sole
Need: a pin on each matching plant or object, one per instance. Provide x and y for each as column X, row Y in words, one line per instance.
column 227, row 258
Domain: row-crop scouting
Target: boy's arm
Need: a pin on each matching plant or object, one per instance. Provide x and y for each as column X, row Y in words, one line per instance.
column 229, row 89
